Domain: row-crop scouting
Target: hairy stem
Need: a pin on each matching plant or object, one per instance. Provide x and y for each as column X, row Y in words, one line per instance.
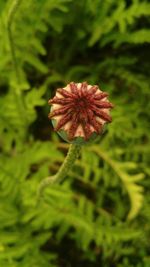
column 72, row 155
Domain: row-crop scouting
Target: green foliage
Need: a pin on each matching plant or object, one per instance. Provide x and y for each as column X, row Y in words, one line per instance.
column 100, row 213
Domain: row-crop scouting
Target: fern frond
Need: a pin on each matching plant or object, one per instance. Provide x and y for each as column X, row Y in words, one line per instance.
column 134, row 190
column 121, row 17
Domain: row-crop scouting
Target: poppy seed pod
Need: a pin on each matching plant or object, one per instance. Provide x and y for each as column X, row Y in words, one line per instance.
column 79, row 112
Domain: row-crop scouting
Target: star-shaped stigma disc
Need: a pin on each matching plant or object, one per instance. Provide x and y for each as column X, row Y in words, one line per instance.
column 80, row 110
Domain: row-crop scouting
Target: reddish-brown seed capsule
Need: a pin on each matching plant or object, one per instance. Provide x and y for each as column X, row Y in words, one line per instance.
column 80, row 110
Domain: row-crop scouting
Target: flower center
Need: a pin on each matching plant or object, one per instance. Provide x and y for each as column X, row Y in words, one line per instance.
column 82, row 104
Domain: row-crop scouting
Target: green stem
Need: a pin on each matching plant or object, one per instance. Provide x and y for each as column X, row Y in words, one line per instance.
column 10, row 19
column 72, row 155
column 19, row 99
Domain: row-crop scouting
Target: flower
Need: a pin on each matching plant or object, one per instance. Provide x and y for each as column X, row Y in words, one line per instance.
column 80, row 110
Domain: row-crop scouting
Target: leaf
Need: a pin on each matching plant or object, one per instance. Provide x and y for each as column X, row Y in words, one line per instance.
column 134, row 190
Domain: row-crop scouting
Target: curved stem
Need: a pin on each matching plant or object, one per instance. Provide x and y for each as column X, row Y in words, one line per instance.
column 72, row 155
column 19, row 100
column 11, row 15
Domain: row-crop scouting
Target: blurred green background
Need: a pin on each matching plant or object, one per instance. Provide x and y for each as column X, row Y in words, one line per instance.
column 100, row 214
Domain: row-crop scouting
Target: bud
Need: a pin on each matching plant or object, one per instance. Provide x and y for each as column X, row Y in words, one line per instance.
column 79, row 112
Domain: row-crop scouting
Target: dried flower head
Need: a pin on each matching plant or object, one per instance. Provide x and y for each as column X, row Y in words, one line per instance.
column 80, row 110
